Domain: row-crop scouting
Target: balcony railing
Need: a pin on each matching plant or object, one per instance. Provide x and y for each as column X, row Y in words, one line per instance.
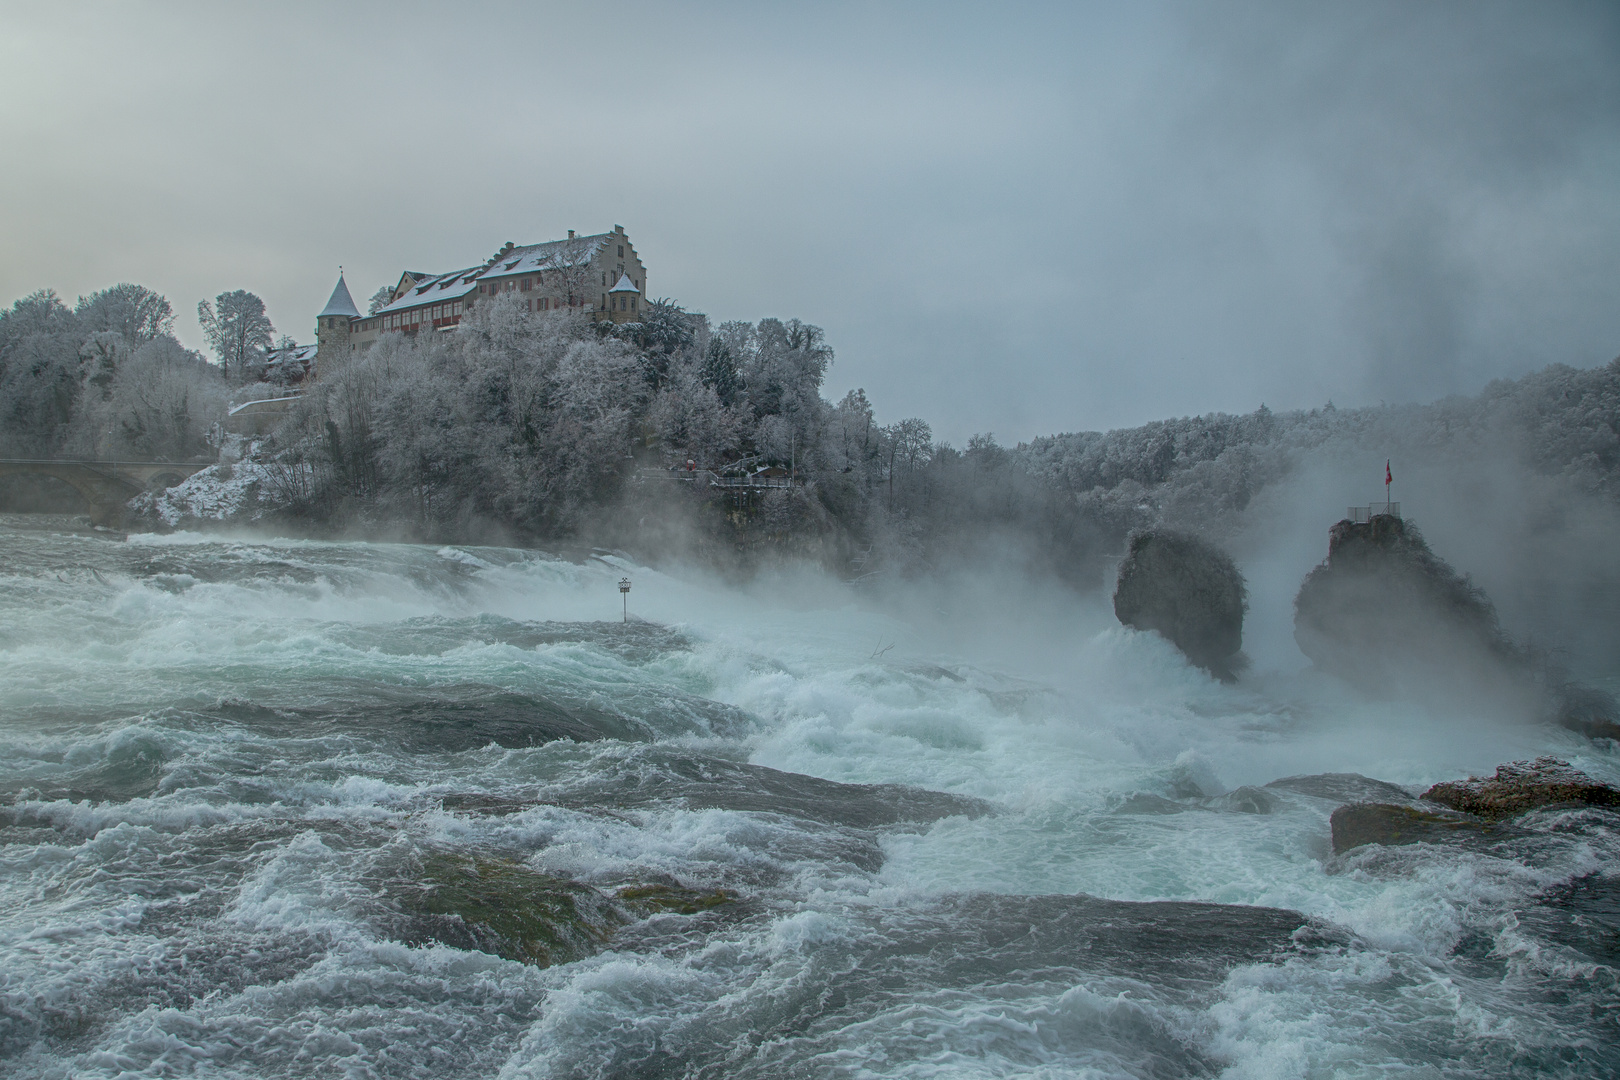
column 1362, row 514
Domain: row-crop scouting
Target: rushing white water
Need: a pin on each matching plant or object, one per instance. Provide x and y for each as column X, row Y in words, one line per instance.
column 248, row 787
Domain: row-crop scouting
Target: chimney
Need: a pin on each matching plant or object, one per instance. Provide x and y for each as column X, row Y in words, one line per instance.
column 570, row 234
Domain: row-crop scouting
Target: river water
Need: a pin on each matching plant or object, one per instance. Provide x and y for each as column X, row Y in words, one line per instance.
column 285, row 808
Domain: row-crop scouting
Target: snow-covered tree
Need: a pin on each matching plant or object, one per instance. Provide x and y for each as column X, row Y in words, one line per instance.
column 133, row 311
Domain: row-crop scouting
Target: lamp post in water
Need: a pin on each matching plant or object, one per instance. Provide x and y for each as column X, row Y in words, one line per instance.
column 624, row 594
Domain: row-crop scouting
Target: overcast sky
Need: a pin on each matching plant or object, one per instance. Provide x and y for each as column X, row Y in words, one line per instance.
column 1011, row 218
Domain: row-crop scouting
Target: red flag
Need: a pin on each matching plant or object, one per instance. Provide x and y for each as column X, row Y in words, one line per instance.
column 1388, row 478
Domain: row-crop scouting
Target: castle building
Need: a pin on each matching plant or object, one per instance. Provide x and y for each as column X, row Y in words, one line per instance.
column 600, row 276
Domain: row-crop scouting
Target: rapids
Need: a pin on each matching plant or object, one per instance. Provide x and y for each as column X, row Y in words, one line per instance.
column 275, row 808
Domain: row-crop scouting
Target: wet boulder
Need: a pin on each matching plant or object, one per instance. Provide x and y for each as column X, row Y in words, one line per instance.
column 502, row 907
column 1190, row 592
column 1583, row 709
column 1343, row 788
column 1523, row 785
column 1473, row 811
column 1359, row 824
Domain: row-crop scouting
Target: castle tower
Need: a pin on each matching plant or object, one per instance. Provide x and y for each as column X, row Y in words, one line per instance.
column 624, row 301
column 332, row 328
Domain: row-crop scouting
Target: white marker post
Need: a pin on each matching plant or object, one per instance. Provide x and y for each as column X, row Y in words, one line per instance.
column 624, row 593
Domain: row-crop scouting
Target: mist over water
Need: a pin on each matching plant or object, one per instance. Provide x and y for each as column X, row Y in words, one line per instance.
column 969, row 829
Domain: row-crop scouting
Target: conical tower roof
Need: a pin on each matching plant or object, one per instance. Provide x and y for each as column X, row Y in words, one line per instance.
column 624, row 285
column 341, row 303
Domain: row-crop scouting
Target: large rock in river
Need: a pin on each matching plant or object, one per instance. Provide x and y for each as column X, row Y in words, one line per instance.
column 1391, row 617
column 1189, row 591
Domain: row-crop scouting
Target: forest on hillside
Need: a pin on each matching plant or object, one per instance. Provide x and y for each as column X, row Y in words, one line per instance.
column 545, row 428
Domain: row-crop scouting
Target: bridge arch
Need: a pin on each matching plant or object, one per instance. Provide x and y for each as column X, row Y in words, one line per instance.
column 105, row 485
column 38, row 493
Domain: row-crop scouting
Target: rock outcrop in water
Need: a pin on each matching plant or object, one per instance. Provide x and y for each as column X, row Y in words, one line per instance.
column 1472, row 810
column 1190, row 592
column 1521, row 786
column 1389, row 616
column 1359, row 824
column 1384, row 611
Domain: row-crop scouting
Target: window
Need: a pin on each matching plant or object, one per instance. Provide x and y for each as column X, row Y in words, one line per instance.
column 528, row 283
column 621, row 251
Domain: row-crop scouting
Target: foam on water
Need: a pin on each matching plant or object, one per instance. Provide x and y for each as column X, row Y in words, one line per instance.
column 225, row 763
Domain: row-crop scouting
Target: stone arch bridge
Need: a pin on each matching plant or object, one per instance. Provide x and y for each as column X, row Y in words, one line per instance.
column 105, row 485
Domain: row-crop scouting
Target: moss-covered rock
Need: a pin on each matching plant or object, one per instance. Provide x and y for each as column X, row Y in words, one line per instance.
column 661, row 899
column 502, row 907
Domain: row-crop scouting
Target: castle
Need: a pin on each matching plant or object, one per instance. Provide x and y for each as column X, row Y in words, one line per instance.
column 600, row 276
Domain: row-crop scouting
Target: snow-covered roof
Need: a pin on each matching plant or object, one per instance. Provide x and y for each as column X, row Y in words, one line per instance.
column 341, row 303
column 551, row 255
column 435, row 289
column 302, row 354
column 624, row 285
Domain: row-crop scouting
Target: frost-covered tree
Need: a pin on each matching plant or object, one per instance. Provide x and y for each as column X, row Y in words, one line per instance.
column 132, row 311
column 105, row 377
column 237, row 329
column 380, row 299
column 163, row 402
column 41, row 377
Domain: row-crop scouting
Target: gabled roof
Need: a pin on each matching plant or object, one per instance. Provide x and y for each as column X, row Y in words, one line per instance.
column 434, row 290
column 298, row 353
column 551, row 255
column 529, row 259
column 624, row 285
column 341, row 303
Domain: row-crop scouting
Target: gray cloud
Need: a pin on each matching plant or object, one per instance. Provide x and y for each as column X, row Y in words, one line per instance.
column 1058, row 217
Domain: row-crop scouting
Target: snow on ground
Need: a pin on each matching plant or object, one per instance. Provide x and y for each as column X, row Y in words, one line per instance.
column 222, row 493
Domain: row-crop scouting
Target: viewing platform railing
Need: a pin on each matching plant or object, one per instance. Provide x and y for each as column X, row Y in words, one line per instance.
column 704, row 476
column 753, row 482
column 1361, row 514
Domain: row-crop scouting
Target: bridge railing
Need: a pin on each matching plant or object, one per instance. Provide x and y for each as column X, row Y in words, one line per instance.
column 108, row 463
